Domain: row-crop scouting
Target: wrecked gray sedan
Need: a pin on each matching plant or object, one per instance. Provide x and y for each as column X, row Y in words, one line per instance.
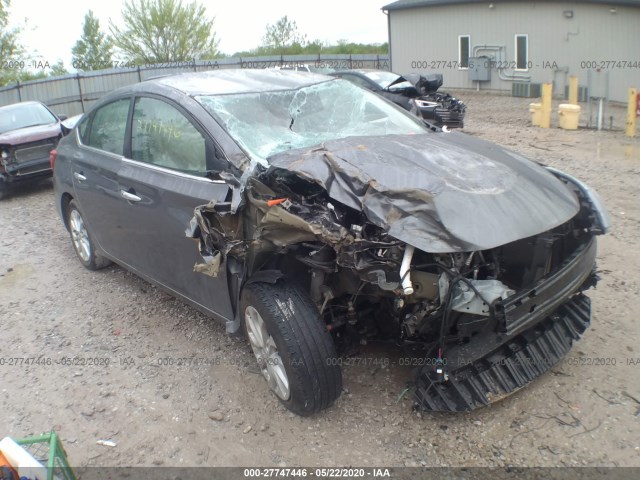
column 327, row 218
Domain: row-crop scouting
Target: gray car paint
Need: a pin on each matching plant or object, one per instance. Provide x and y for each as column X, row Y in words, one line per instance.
column 442, row 202
column 147, row 237
column 438, row 192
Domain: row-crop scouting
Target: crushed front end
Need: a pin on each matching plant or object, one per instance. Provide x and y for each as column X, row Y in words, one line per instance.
column 486, row 322
column 381, row 266
column 512, row 337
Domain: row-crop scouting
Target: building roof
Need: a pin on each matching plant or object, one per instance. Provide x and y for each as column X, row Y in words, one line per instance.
column 406, row 4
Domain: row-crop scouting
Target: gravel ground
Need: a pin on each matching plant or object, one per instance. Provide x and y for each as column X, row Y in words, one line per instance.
column 219, row 412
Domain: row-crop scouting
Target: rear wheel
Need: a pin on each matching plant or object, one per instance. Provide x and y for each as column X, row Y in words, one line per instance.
column 81, row 240
column 295, row 353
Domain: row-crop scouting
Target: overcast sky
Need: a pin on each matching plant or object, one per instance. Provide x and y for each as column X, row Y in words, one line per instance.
column 53, row 27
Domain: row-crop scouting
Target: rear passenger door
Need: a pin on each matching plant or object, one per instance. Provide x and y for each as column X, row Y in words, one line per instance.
column 161, row 181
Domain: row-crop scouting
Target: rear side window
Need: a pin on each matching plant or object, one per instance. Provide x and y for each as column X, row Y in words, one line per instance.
column 108, row 127
column 163, row 136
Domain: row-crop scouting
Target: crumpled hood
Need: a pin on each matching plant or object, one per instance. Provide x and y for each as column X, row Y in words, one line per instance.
column 425, row 84
column 30, row 134
column 438, row 192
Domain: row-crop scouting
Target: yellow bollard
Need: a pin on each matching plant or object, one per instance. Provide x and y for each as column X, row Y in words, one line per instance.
column 545, row 117
column 535, row 109
column 631, row 112
column 569, row 116
column 573, row 90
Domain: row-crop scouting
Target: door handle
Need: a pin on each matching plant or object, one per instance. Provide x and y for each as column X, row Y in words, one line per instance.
column 79, row 176
column 129, row 196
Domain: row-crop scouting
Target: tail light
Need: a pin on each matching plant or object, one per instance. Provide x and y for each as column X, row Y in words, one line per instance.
column 53, row 154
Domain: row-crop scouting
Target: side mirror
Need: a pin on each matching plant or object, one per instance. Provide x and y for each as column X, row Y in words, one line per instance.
column 216, row 161
column 62, row 118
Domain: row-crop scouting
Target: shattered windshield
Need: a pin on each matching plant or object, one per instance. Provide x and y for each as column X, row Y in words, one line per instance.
column 266, row 123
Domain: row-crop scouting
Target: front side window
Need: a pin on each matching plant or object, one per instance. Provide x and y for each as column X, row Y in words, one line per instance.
column 464, row 48
column 108, row 127
column 162, row 136
column 522, row 52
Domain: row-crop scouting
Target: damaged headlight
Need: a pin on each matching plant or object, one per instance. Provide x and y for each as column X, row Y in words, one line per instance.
column 4, row 153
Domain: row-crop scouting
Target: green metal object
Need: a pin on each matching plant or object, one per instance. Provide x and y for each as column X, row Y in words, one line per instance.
column 48, row 450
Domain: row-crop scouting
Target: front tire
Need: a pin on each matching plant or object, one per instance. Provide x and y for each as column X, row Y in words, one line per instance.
column 294, row 350
column 81, row 240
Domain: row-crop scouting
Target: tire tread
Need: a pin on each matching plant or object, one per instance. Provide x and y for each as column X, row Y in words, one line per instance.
column 307, row 342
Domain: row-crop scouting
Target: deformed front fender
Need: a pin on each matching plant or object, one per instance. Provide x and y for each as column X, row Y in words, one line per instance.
column 601, row 218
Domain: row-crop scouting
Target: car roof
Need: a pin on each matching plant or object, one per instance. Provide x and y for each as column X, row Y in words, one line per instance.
column 230, row 81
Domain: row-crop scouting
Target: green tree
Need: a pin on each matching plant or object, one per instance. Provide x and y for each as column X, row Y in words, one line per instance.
column 58, row 70
column 157, row 31
column 283, row 37
column 15, row 66
column 346, row 47
column 93, row 51
column 11, row 50
column 318, row 47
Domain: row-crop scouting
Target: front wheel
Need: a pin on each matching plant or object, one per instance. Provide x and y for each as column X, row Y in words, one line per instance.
column 81, row 240
column 294, row 350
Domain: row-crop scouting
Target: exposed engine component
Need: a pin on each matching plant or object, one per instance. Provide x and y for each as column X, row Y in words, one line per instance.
column 467, row 300
column 405, row 273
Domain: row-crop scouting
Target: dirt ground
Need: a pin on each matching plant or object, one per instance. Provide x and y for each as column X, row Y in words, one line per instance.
column 219, row 411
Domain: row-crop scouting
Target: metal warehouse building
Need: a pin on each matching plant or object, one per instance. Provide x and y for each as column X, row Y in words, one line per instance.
column 517, row 45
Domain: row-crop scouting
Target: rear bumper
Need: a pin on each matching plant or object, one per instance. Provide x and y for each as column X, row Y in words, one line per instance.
column 538, row 326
